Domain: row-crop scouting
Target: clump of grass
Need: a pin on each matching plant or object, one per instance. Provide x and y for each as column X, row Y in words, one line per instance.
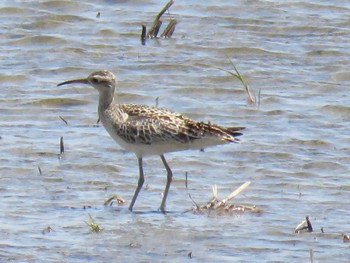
column 94, row 227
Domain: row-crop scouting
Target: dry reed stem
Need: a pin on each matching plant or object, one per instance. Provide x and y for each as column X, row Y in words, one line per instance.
column 169, row 30
column 153, row 32
column 233, row 194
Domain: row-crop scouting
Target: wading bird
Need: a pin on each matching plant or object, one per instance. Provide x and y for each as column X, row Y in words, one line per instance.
column 147, row 130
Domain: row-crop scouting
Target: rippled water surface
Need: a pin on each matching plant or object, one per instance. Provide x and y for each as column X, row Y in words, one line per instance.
column 295, row 150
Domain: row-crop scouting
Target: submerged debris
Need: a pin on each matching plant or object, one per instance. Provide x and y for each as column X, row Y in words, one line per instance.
column 110, row 201
column 346, row 238
column 47, row 230
column 134, row 244
column 222, row 206
column 190, row 255
column 305, row 225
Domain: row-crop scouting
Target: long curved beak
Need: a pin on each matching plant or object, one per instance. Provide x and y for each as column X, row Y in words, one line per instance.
column 81, row 81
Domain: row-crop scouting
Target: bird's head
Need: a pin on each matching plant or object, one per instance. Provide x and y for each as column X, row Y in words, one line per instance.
column 104, row 81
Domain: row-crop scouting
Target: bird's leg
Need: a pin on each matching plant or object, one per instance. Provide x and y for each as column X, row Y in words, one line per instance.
column 139, row 184
column 168, row 182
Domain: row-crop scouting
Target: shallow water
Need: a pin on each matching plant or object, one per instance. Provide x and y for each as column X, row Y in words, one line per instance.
column 295, row 150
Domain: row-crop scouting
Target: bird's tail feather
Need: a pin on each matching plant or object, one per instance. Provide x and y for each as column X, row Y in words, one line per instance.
column 234, row 131
column 227, row 133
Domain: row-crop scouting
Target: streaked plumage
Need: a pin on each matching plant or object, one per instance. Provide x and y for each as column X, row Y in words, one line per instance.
column 147, row 130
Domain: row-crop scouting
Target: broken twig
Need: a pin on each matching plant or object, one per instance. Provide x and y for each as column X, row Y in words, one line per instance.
column 66, row 122
column 143, row 35
column 61, row 146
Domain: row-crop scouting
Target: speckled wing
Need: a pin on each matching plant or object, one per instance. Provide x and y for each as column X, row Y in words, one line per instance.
column 147, row 125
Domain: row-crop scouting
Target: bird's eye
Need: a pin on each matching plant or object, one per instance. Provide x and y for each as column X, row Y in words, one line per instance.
column 95, row 80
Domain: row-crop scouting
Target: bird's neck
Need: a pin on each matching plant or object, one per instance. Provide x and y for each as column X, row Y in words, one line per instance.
column 105, row 100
